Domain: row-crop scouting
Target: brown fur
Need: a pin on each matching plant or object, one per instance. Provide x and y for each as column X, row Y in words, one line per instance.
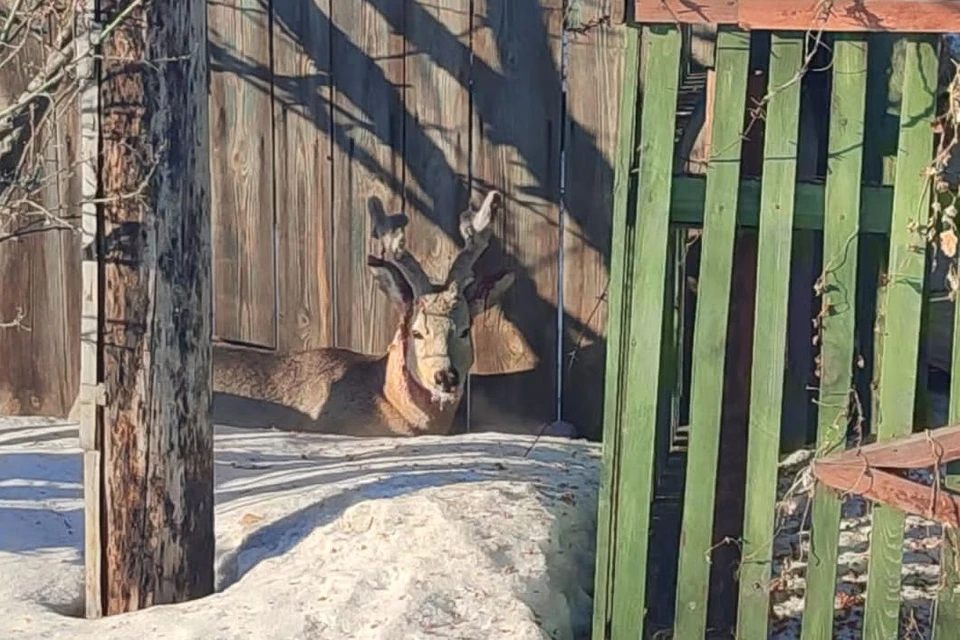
column 399, row 393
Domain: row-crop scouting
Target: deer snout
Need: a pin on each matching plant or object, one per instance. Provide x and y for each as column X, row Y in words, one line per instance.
column 447, row 379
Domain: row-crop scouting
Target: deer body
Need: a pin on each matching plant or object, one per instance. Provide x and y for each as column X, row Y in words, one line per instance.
column 413, row 389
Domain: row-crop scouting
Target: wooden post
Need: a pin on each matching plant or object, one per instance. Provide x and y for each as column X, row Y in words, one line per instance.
column 153, row 491
column 89, row 400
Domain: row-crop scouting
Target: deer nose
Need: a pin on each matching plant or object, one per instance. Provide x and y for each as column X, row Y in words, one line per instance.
column 447, row 379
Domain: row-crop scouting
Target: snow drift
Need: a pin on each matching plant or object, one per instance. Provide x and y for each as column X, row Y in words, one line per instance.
column 474, row 536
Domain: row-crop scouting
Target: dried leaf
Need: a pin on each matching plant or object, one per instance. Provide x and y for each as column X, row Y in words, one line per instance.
column 948, row 243
column 250, row 518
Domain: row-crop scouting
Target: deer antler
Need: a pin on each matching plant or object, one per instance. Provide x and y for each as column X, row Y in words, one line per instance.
column 476, row 231
column 394, row 250
column 393, row 247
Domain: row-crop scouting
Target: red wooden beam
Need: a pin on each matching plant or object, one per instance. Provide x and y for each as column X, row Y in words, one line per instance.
column 918, row 451
column 881, row 486
column 686, row 11
column 924, row 16
column 905, row 16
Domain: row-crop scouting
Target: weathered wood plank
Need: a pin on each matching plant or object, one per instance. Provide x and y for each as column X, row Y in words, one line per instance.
column 892, row 492
column 158, row 438
column 242, row 174
column 39, row 249
column 594, row 65
column 649, row 229
column 913, row 452
column 87, row 409
column 902, row 16
column 773, row 279
column 436, row 141
column 900, row 310
column 367, row 57
column 516, row 85
column 302, row 101
column 685, row 11
column 92, row 542
column 618, row 320
column 838, row 288
column 710, row 331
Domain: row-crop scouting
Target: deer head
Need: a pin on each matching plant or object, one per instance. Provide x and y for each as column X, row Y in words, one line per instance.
column 437, row 318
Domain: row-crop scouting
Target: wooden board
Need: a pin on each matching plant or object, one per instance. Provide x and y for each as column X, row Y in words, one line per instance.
column 618, row 322
column 40, row 263
column 594, row 65
column 686, row 12
column 648, row 229
column 900, row 310
column 242, row 176
column 436, row 137
column 303, row 155
column 773, row 276
column 367, row 57
column 157, row 481
column 838, row 284
column 516, row 134
column 916, row 16
column 710, row 331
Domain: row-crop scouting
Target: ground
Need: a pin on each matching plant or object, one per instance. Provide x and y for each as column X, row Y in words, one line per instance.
column 323, row 537
column 475, row 536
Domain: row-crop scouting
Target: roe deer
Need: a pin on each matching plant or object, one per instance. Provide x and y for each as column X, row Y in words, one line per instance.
column 413, row 389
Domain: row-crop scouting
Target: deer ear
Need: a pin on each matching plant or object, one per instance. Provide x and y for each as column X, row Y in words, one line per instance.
column 391, row 281
column 486, row 293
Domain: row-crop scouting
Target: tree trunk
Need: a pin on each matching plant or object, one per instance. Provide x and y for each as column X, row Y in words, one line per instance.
column 156, row 482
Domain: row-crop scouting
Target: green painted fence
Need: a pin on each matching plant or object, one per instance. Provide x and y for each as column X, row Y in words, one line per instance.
column 856, row 222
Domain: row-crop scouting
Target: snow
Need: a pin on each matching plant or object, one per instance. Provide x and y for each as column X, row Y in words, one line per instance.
column 474, row 536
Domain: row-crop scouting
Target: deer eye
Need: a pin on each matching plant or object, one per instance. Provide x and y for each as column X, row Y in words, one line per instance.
column 416, row 335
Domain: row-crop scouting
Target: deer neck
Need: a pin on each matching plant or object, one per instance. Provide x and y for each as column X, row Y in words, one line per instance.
column 408, row 397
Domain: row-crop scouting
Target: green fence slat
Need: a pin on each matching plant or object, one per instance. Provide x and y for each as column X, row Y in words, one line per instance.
column 838, row 285
column 710, row 331
column 901, row 304
column 947, row 614
column 639, row 399
column 625, row 155
column 769, row 342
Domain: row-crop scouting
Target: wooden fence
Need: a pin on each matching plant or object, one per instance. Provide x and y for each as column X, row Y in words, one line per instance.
column 319, row 105
column 866, row 211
